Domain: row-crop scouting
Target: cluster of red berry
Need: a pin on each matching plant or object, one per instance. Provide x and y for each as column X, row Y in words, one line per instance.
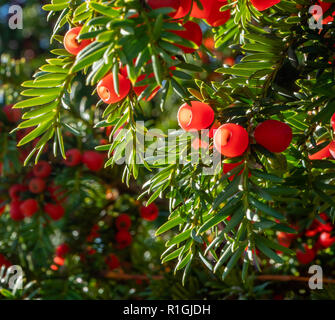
column 231, row 139
column 25, row 200
column 320, row 231
column 123, row 239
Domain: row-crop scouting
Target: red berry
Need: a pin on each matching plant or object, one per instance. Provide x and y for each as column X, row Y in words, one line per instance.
column 15, row 190
column 192, row 32
column 2, row 208
column 123, row 222
column 284, row 239
column 231, row 140
column 332, row 121
column 13, row 115
column 55, row 211
column 42, row 169
column 112, row 261
column 324, row 153
column 123, row 238
column 15, row 211
column 205, row 11
column 59, row 260
column 216, row 17
column 73, row 157
column 62, row 250
column 183, row 9
column 261, row 5
column 106, row 90
column 150, row 212
column 326, row 240
column 138, row 90
column 36, row 185
column 332, row 149
column 307, row 256
column 93, row 160
column 230, row 166
column 71, row 44
column 29, row 207
column 4, row 261
column 195, row 117
column 273, row 135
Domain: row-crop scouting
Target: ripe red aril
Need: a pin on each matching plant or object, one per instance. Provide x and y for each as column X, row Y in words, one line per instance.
column 4, row 261
column 326, row 240
column 284, row 239
column 42, row 169
column 106, row 89
column 332, row 121
column 138, row 90
column 307, row 256
column 149, row 213
column 192, row 32
column 273, row 135
column 261, row 5
column 195, row 117
column 123, row 238
column 231, row 140
column 15, row 190
column 93, row 160
column 157, row 4
column 13, row 115
column 230, row 166
column 55, row 211
column 36, row 185
column 15, row 211
column 216, row 17
column 123, row 222
column 324, row 153
column 112, row 261
column 71, row 43
column 29, row 207
column 332, row 149
column 73, row 157
column 62, row 250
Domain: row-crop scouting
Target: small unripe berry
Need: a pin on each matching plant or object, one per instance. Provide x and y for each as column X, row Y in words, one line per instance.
column 106, row 89
column 36, row 185
column 195, row 117
column 273, row 135
column 29, row 207
column 231, row 140
column 71, row 43
column 42, row 169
